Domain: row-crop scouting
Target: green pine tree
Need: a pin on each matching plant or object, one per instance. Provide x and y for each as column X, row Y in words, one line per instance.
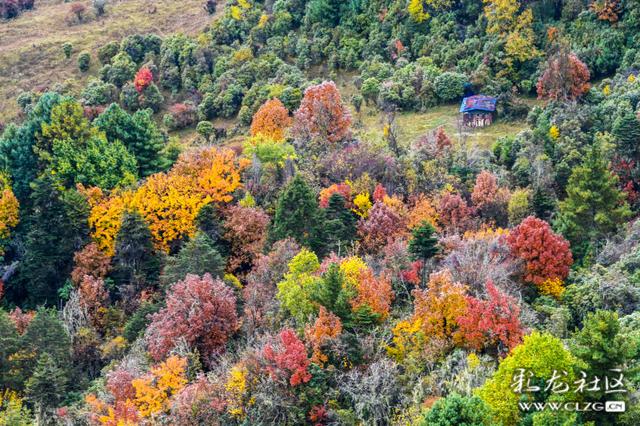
column 423, row 245
column 67, row 122
column 93, row 162
column 57, row 229
column 339, row 224
column 297, row 216
column 46, row 334
column 210, row 222
column 17, row 146
column 594, row 207
column 458, row 410
column 325, row 12
column 543, row 202
column 46, row 389
column 136, row 263
column 626, row 129
column 603, row 346
column 139, row 321
column 139, row 134
column 198, row 256
column 331, row 293
column 364, row 317
column 9, row 345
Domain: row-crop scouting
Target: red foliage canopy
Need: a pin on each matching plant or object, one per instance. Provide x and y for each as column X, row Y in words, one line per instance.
column 322, row 115
column 566, row 77
column 492, row 322
column 21, row 319
column 453, row 212
column 379, row 193
column 546, row 254
column 485, row 189
column 143, row 79
column 289, row 360
column 90, row 261
column 246, row 230
column 200, row 310
column 382, row 224
column 119, row 384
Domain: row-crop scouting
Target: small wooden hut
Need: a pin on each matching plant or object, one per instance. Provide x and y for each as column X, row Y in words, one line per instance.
column 478, row 111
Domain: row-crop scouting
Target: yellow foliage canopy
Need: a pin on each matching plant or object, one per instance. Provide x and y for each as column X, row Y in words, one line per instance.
column 552, row 287
column 153, row 390
column 433, row 324
column 514, row 29
column 169, row 202
column 9, row 208
column 236, row 386
column 362, row 204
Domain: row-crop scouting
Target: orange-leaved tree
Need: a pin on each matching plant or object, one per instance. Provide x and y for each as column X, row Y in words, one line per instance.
column 433, row 327
column 438, row 307
column 271, row 120
column 327, row 326
column 374, row 293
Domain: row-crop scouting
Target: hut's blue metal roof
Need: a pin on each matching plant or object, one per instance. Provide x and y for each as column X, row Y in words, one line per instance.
column 478, row 103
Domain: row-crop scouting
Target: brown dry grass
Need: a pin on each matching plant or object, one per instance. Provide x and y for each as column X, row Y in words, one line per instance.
column 31, row 46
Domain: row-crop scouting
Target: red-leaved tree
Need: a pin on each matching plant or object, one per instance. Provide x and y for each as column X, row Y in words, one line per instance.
column 546, row 254
column 93, row 296
column 288, row 358
column 246, row 230
column 90, row 261
column 489, row 200
column 382, row 224
column 21, row 319
column 454, row 214
column 485, row 189
column 490, row 323
column 565, row 77
column 200, row 310
column 322, row 115
column 379, row 193
column 143, row 79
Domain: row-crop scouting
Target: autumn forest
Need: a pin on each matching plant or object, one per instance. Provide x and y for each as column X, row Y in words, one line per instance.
column 320, row 212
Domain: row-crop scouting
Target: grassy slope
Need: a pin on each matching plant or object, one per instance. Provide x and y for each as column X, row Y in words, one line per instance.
column 31, row 57
column 411, row 125
column 31, row 45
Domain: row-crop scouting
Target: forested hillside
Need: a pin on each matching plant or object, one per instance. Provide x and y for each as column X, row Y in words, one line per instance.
column 279, row 212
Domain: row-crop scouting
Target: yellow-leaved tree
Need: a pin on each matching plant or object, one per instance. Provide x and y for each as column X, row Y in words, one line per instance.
column 169, row 202
column 514, row 29
column 417, row 11
column 154, row 390
column 9, row 209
